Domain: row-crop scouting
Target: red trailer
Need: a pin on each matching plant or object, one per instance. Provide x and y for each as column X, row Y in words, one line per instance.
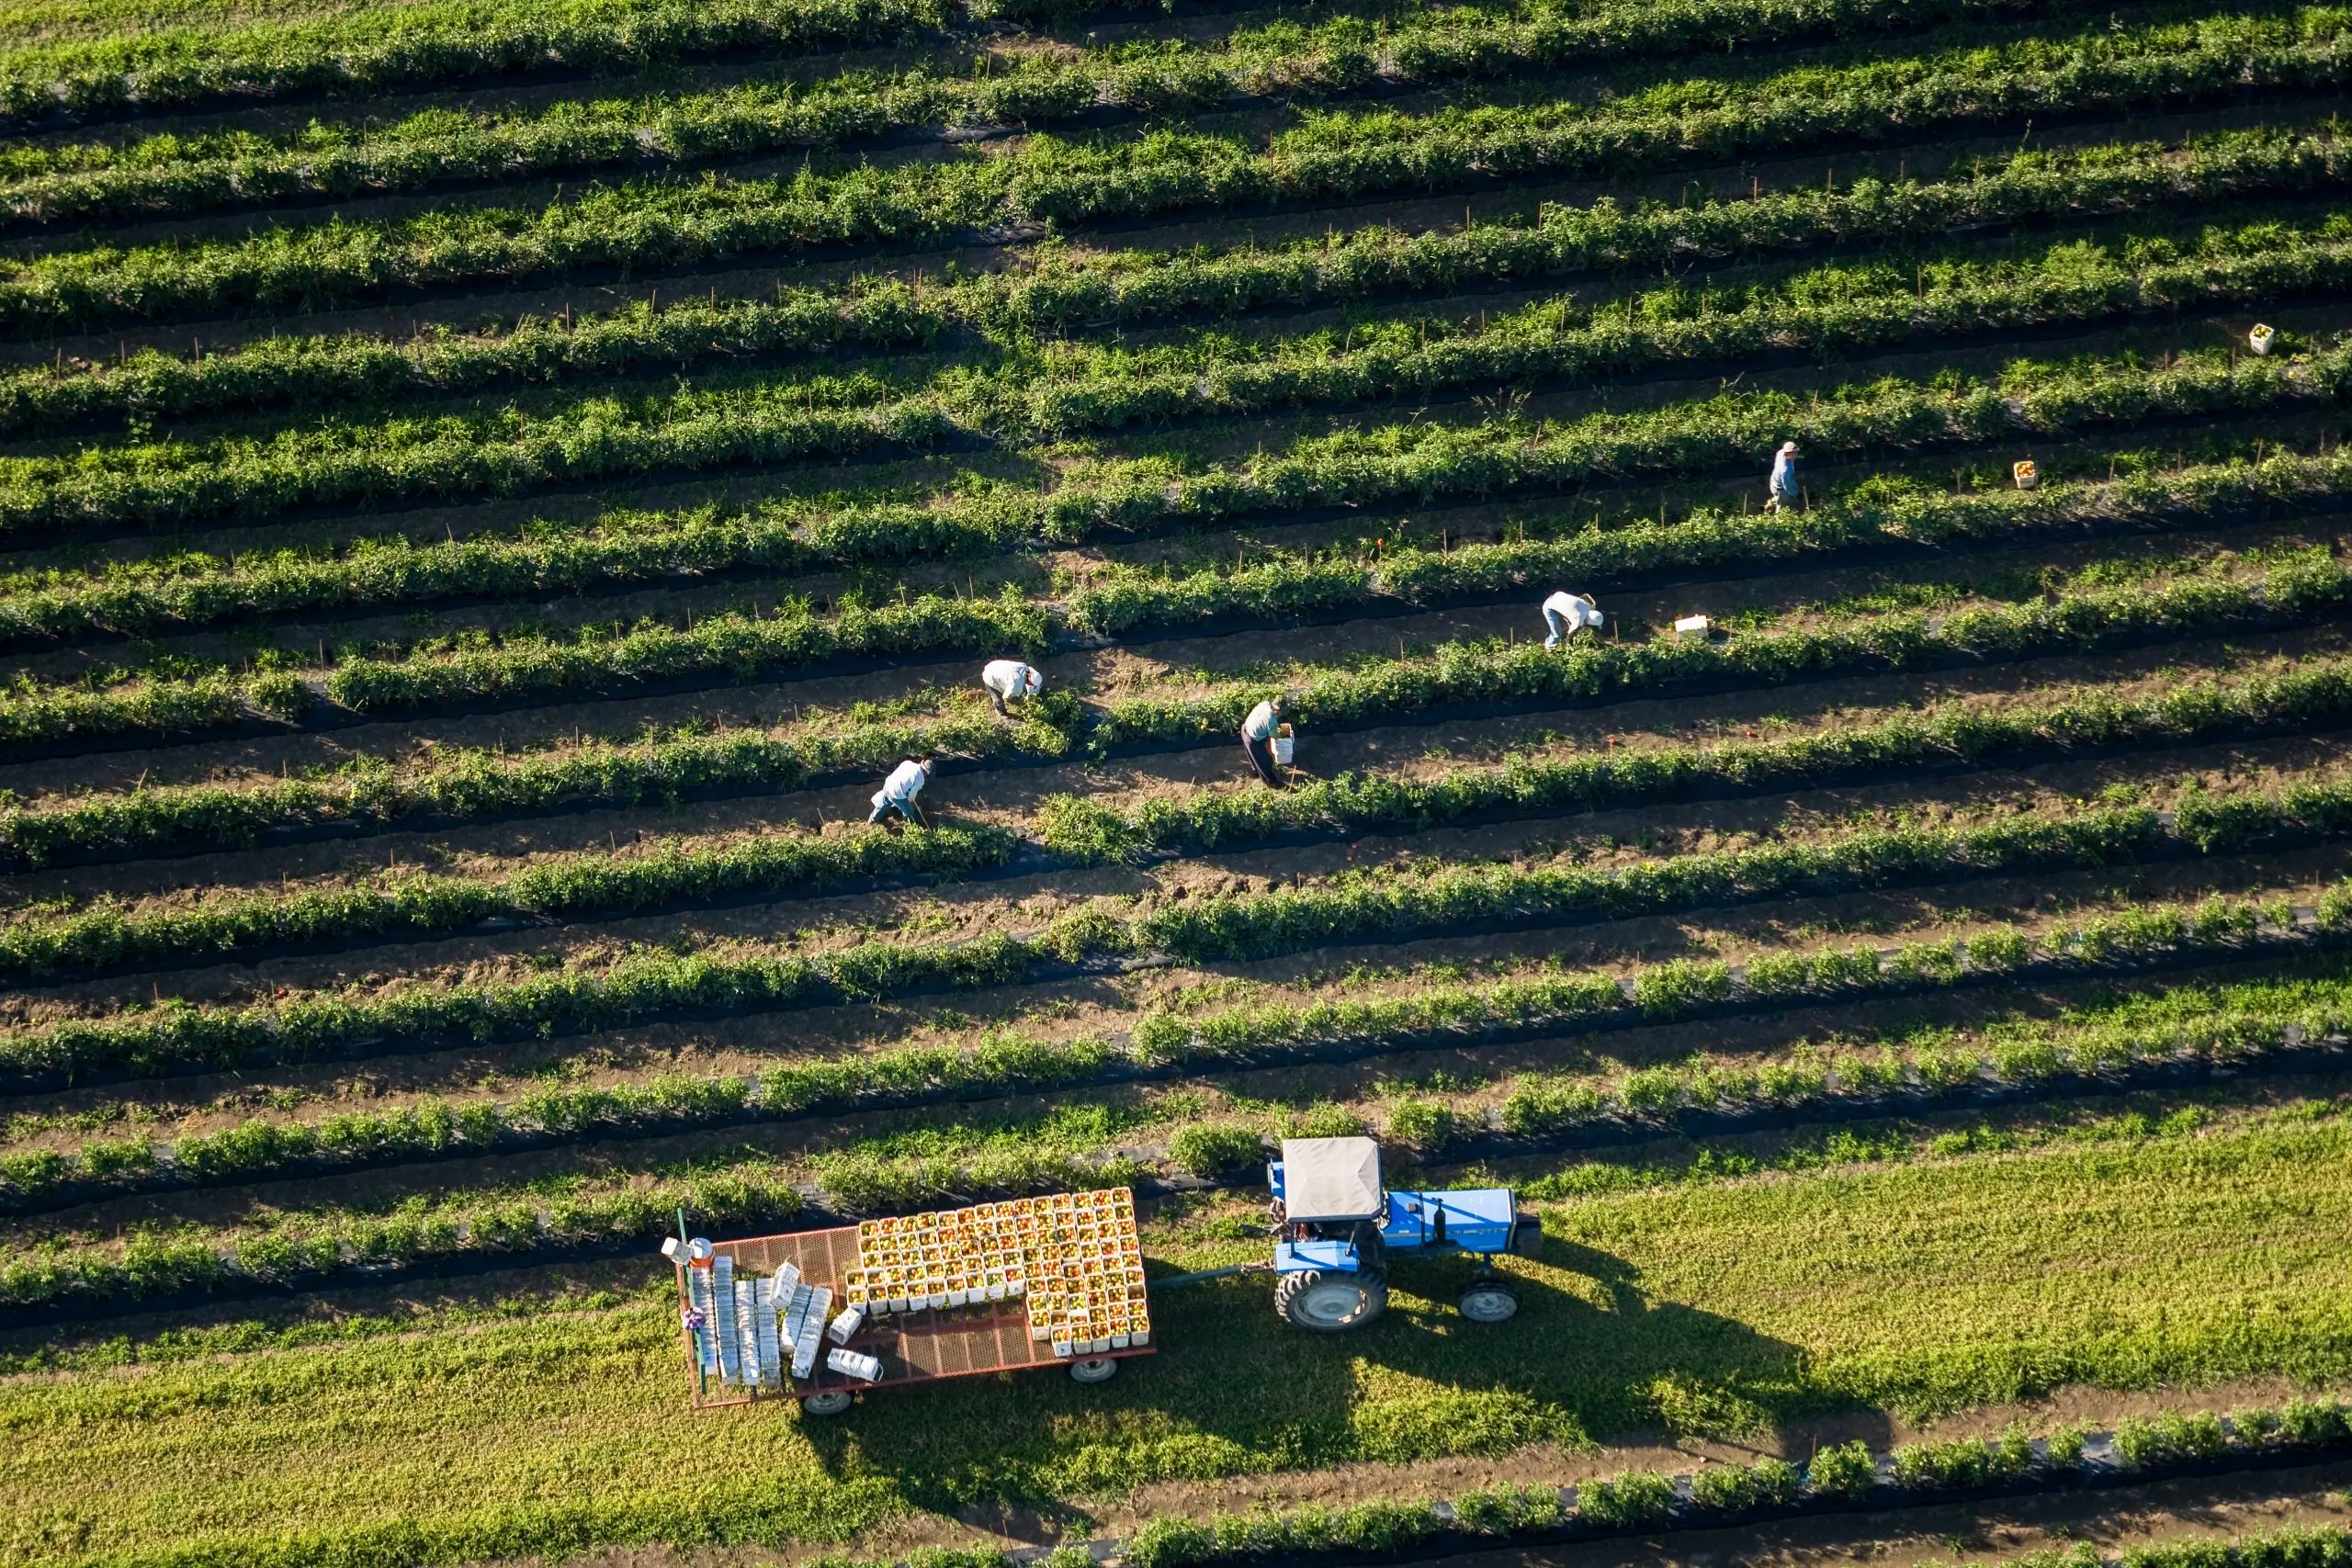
column 914, row 1347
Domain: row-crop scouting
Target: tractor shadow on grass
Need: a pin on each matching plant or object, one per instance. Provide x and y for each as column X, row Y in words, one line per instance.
column 1233, row 1390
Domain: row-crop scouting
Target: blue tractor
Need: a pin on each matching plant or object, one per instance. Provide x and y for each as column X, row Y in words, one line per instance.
column 1338, row 1227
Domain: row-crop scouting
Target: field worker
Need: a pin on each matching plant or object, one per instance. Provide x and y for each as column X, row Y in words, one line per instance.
column 1567, row 614
column 1258, row 733
column 1006, row 680
column 1781, row 488
column 898, row 790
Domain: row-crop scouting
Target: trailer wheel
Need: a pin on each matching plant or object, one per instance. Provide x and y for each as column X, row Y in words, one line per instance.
column 1490, row 1300
column 1094, row 1369
column 831, row 1402
column 1330, row 1304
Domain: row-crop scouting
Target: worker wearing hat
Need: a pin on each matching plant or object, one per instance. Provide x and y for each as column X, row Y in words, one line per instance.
column 1257, row 732
column 898, row 791
column 1008, row 680
column 1781, row 488
column 1566, row 613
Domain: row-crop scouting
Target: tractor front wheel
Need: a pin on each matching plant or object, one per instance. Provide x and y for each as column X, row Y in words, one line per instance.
column 830, row 1402
column 1330, row 1304
column 1490, row 1300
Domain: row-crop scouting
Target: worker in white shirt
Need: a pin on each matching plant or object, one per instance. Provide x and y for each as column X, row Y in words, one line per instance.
column 1258, row 733
column 1783, row 494
column 1008, row 680
column 1566, row 613
column 898, row 790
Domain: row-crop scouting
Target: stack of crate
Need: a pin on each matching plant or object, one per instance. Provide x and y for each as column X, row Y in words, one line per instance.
column 1074, row 1256
column 752, row 1329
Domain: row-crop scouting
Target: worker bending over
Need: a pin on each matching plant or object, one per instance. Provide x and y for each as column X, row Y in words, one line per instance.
column 1567, row 614
column 1781, row 488
column 1258, row 733
column 898, row 790
column 1008, row 680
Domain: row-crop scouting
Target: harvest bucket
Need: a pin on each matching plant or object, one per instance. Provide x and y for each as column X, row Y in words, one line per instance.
column 2259, row 339
column 2028, row 476
column 1285, row 746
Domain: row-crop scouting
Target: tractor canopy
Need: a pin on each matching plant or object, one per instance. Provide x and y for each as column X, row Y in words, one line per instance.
column 1327, row 1180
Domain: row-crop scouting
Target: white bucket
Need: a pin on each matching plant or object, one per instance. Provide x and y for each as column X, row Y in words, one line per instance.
column 1691, row 627
column 2259, row 339
column 849, row 1364
column 1285, row 746
column 842, row 1329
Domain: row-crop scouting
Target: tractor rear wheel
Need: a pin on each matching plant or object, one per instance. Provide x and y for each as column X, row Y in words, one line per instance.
column 1094, row 1369
column 1330, row 1302
column 830, row 1402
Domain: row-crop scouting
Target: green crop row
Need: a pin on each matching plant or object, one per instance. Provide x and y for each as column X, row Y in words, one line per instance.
column 409, row 47
column 1482, row 1520
column 733, row 646
column 107, row 934
column 2216, row 930
column 2314, row 694
column 1588, row 670
column 468, row 783
column 259, row 1147
column 307, row 1247
column 2229, row 1023
column 420, row 46
column 1475, row 460
column 2293, row 589
column 1338, row 157
column 1382, row 906
column 1553, row 342
column 2237, row 1025
column 176, row 1036
column 1058, row 292
column 251, row 480
column 174, row 175
column 417, row 460
column 1035, row 398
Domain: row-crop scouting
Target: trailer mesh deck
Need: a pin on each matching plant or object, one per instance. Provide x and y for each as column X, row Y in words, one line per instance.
column 918, row 1346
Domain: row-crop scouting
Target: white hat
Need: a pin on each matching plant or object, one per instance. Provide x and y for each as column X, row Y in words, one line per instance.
column 1788, row 449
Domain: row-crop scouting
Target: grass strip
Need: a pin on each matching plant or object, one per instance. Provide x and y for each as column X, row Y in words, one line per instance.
column 2116, row 1261
column 1837, row 1475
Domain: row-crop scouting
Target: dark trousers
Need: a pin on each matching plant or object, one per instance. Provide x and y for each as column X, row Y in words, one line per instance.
column 1261, row 757
column 906, row 809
